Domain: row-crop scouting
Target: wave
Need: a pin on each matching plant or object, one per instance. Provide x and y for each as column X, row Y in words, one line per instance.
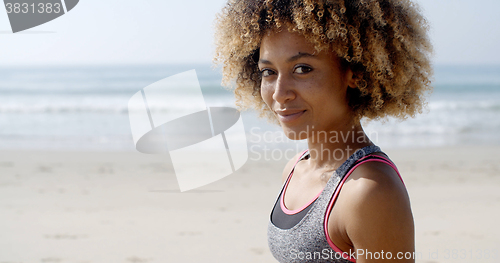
column 446, row 105
column 96, row 104
column 98, row 80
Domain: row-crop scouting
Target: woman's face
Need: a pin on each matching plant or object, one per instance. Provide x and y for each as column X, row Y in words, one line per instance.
column 305, row 89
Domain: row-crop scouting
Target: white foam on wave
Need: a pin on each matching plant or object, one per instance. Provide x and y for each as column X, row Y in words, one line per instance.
column 446, row 105
column 111, row 104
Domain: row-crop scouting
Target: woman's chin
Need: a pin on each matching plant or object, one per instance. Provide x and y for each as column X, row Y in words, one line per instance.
column 295, row 133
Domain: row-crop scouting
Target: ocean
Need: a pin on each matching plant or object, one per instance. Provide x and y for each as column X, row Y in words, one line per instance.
column 86, row 108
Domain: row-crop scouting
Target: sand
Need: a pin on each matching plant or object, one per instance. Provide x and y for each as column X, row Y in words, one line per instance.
column 109, row 207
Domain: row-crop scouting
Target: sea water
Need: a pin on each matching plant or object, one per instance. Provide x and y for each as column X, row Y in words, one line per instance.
column 86, row 108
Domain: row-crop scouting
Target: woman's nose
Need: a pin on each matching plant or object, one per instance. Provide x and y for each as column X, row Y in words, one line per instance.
column 283, row 90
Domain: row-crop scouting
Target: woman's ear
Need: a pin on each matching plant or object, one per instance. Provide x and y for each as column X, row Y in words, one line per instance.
column 351, row 78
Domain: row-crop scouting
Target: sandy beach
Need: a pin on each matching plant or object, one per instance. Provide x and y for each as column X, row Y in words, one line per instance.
column 89, row 207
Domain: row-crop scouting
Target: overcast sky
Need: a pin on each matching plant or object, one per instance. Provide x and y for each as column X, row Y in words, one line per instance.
column 166, row 31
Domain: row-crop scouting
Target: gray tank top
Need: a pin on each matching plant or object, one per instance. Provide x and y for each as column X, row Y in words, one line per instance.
column 306, row 240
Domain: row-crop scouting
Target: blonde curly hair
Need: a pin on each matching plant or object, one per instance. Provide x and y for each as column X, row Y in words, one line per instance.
column 384, row 42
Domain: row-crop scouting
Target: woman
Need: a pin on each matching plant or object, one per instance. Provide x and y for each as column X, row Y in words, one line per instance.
column 317, row 68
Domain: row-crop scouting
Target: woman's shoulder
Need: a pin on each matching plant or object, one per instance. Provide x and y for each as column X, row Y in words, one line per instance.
column 375, row 179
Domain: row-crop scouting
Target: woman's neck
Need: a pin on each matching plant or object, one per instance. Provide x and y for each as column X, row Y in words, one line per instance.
column 330, row 148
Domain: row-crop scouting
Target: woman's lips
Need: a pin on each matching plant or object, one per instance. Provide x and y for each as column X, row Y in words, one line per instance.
column 289, row 115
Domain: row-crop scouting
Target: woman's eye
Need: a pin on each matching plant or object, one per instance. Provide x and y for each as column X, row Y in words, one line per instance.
column 266, row 72
column 302, row 69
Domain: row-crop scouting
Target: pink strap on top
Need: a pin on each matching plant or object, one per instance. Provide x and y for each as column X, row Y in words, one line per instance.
column 282, row 199
column 337, row 191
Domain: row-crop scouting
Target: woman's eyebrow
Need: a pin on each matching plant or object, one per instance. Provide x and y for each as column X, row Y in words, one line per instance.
column 263, row 61
column 291, row 59
column 300, row 55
